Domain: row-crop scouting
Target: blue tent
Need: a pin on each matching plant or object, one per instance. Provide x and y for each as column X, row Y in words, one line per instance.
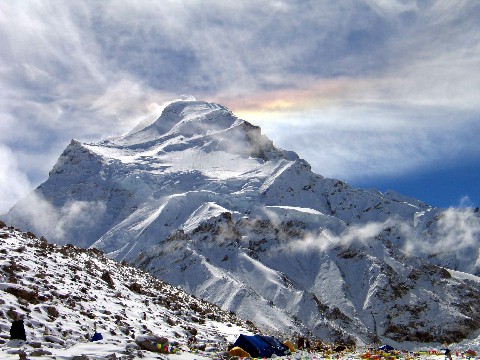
column 255, row 346
column 97, row 336
column 386, row 348
column 278, row 348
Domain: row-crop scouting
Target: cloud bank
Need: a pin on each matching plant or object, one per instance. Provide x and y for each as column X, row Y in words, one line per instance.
column 358, row 88
column 451, row 238
column 55, row 222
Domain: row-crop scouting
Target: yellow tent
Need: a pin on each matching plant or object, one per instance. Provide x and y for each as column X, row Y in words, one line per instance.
column 290, row 345
column 238, row 351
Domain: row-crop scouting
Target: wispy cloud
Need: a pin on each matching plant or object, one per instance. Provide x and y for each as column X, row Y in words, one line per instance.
column 451, row 239
column 362, row 71
column 13, row 183
column 359, row 141
column 55, row 222
column 456, row 241
column 356, row 235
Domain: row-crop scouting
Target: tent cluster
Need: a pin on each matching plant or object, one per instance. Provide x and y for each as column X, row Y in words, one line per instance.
column 261, row 346
column 388, row 352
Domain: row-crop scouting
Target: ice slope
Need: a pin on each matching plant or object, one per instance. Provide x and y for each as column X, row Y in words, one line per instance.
column 205, row 201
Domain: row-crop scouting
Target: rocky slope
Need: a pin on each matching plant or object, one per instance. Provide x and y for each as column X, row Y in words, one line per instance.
column 62, row 291
column 203, row 200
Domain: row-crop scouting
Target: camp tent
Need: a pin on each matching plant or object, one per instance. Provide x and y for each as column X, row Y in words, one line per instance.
column 276, row 345
column 97, row 336
column 260, row 346
column 386, row 348
column 254, row 345
column 236, row 351
column 289, row 344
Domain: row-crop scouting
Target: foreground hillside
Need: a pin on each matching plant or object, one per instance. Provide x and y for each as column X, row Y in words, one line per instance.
column 61, row 292
column 205, row 201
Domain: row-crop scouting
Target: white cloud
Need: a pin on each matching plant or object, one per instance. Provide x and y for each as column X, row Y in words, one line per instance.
column 13, row 182
column 465, row 202
column 362, row 142
column 402, row 75
column 54, row 223
column 458, row 229
column 456, row 242
column 352, row 235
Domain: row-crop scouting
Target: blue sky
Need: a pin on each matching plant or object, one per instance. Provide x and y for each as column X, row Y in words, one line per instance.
column 381, row 94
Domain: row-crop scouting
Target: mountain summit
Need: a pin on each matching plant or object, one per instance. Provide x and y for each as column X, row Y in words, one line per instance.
column 205, row 201
column 195, row 123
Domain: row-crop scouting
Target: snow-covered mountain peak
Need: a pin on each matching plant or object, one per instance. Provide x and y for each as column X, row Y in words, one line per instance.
column 191, row 118
column 185, row 119
column 203, row 130
column 204, row 200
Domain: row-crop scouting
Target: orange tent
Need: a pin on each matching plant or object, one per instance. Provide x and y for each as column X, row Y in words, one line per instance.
column 290, row 346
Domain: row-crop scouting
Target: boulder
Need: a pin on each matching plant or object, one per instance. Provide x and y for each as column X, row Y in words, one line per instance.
column 152, row 343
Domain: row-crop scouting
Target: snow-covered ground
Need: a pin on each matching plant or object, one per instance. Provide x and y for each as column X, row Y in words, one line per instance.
column 64, row 292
